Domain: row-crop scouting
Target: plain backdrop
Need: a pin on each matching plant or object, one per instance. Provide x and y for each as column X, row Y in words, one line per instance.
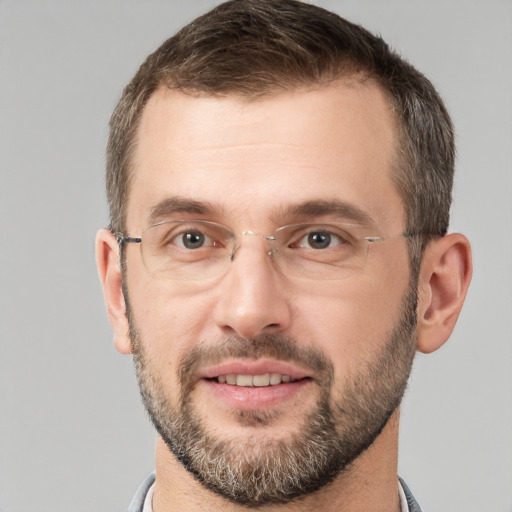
column 73, row 436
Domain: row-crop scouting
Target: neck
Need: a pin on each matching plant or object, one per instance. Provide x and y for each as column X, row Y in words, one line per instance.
column 369, row 484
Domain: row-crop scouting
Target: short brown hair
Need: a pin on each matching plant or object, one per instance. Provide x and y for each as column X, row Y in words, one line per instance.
column 258, row 47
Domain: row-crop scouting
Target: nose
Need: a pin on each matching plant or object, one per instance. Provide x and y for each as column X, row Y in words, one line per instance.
column 253, row 296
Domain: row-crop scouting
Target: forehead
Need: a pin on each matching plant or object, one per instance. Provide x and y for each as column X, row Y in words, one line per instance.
column 256, row 158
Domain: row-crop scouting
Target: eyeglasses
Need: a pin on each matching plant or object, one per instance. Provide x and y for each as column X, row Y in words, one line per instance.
column 199, row 250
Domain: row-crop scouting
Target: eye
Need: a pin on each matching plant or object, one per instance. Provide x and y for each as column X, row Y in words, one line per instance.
column 320, row 239
column 193, row 239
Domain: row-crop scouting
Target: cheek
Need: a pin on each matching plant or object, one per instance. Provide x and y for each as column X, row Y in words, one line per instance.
column 169, row 323
column 351, row 323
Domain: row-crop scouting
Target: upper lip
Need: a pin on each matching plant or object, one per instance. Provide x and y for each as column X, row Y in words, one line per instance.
column 249, row 367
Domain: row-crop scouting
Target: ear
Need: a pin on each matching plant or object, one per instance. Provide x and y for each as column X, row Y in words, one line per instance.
column 107, row 259
column 444, row 279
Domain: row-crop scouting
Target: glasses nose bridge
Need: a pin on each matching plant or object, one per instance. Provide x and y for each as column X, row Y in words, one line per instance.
column 268, row 238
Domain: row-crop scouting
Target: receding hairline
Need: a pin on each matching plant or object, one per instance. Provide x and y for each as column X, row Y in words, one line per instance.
column 348, row 75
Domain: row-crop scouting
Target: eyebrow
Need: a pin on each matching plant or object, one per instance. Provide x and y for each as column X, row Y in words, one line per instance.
column 314, row 208
column 341, row 209
column 173, row 205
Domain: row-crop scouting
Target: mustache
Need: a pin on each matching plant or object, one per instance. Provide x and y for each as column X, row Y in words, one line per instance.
column 273, row 346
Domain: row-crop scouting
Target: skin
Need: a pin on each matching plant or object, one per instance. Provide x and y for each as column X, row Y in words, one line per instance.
column 252, row 161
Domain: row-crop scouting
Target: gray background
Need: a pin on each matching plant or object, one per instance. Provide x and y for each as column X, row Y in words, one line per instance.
column 73, row 436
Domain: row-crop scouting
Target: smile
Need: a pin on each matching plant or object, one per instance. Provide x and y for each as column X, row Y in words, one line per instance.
column 266, row 379
column 255, row 384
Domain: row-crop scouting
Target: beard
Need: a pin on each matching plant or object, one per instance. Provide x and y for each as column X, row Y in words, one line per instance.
column 257, row 470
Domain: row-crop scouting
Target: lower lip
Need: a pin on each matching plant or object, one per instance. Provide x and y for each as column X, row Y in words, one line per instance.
column 255, row 398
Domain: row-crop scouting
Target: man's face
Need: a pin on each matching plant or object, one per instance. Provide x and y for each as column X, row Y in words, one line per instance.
column 318, row 156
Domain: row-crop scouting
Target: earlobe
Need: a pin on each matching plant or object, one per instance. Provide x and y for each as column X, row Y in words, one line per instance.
column 107, row 259
column 443, row 283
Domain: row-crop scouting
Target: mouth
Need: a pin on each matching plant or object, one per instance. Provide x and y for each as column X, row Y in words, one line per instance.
column 254, row 381
column 254, row 373
column 255, row 384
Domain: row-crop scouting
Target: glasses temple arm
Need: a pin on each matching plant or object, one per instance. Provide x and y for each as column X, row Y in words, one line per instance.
column 127, row 240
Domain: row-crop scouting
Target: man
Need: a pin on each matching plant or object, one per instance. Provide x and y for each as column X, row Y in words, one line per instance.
column 279, row 185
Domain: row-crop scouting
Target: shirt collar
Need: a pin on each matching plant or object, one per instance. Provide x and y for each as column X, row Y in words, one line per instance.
column 148, row 502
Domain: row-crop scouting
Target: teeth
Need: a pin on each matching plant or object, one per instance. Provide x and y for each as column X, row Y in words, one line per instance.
column 275, row 378
column 267, row 379
column 261, row 380
column 244, row 380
